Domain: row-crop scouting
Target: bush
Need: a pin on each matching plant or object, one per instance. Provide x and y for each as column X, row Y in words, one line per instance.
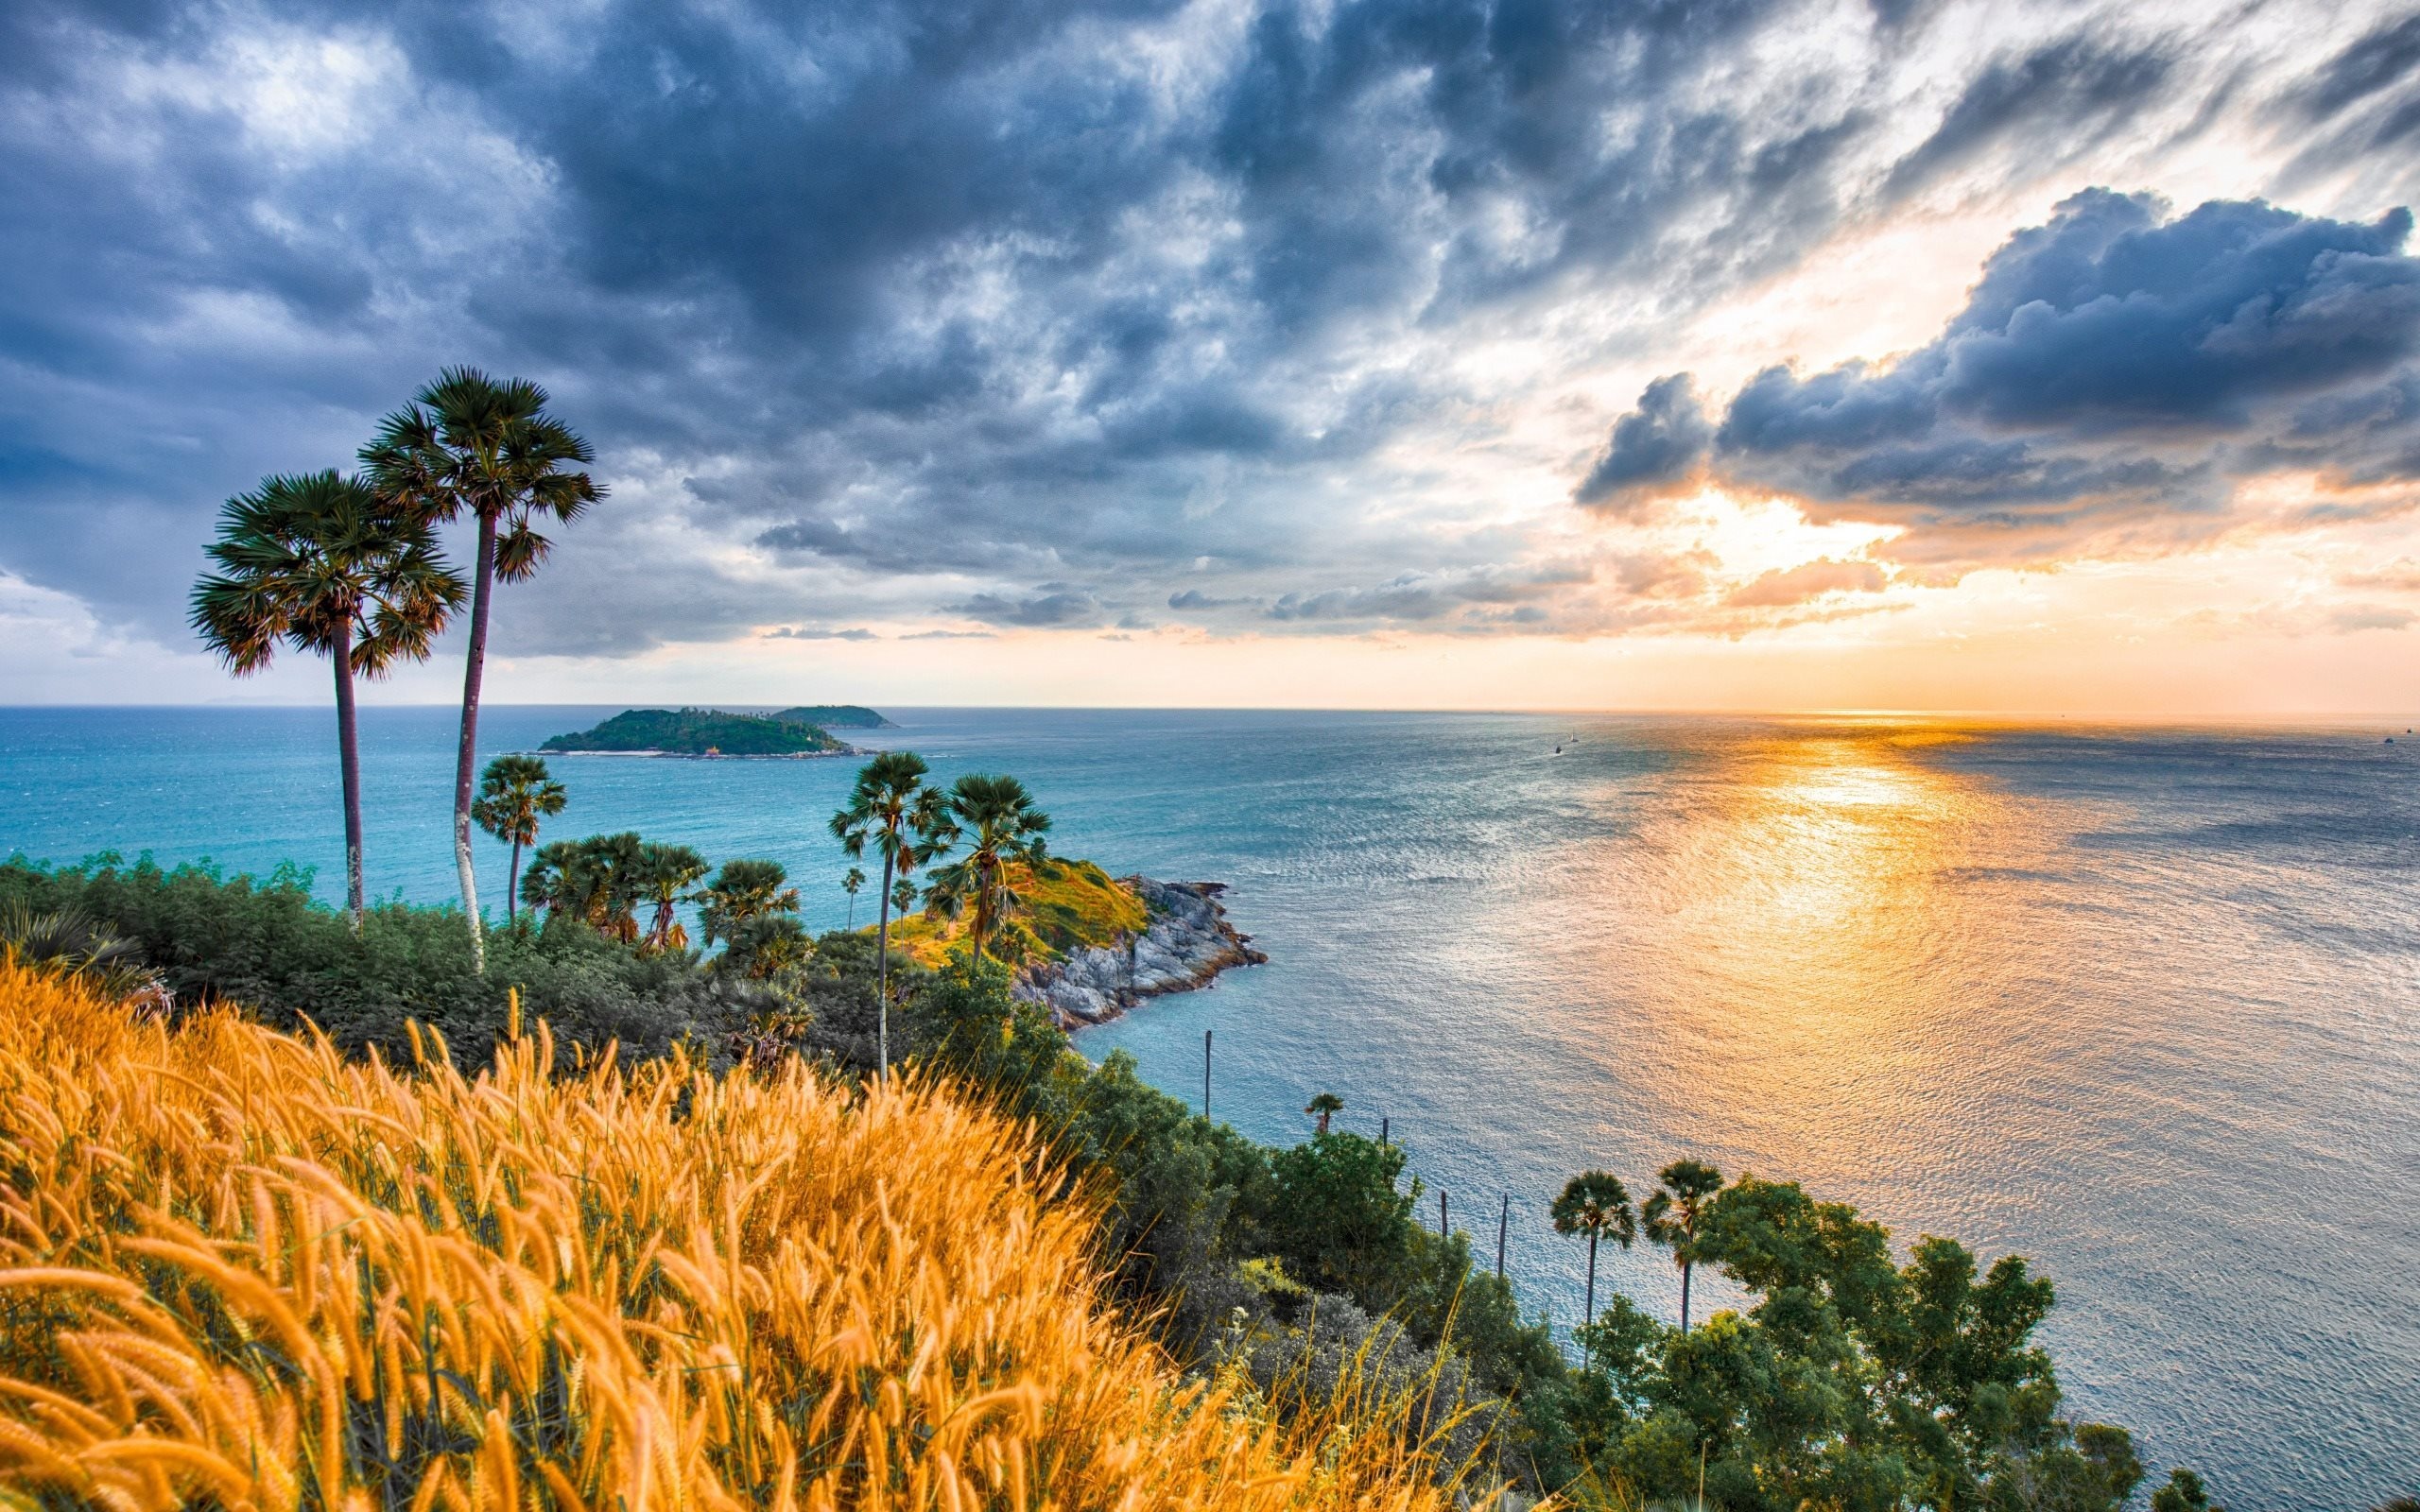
column 270, row 947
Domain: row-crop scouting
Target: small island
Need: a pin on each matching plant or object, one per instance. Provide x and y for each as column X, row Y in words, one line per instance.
column 837, row 716
column 701, row 733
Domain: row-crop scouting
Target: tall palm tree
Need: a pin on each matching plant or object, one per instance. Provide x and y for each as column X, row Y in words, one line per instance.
column 908, row 824
column 469, row 443
column 515, row 792
column 1595, row 1203
column 742, row 890
column 850, row 883
column 1672, row 1214
column 666, row 872
column 997, row 818
column 323, row 563
column 1327, row 1105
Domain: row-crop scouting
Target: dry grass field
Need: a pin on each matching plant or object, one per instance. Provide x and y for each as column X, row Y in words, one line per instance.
column 240, row 1271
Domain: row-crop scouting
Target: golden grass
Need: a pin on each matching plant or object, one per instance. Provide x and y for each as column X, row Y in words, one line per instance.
column 238, row 1269
column 1068, row 905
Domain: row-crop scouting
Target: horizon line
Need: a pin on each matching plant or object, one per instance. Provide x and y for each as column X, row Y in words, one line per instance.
column 2210, row 716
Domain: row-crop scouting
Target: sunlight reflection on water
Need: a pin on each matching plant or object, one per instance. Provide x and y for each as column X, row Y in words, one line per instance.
column 2142, row 1005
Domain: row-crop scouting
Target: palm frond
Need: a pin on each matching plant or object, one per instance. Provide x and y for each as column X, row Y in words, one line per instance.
column 319, row 560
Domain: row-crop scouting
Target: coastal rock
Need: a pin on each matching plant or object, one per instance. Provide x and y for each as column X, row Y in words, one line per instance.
column 1187, row 945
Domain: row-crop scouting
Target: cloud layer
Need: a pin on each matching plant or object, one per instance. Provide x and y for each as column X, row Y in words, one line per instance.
column 1235, row 316
column 2116, row 369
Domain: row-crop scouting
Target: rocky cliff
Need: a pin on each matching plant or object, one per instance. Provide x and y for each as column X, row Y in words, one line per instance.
column 1187, row 943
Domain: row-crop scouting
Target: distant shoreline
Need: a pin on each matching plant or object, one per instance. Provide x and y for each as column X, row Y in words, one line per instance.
column 707, row 756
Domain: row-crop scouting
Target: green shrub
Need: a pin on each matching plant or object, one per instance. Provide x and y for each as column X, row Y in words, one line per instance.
column 270, row 948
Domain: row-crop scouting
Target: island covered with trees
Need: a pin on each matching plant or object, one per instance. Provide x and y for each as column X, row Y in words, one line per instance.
column 701, row 733
column 838, row 716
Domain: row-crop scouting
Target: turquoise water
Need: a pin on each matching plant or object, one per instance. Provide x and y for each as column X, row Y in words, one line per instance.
column 2143, row 1005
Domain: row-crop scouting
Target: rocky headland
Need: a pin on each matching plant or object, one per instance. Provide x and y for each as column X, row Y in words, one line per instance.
column 1187, row 943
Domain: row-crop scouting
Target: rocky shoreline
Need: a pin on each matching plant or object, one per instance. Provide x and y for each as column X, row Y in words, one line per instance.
column 1187, row 945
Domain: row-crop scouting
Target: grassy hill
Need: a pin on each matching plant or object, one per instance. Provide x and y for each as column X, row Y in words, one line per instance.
column 265, row 1275
column 837, row 716
column 1068, row 905
column 699, row 732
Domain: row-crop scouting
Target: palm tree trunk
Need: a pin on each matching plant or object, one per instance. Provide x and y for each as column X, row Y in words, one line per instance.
column 1588, row 1309
column 1685, row 1296
column 349, row 760
column 882, row 975
column 467, row 754
column 512, row 884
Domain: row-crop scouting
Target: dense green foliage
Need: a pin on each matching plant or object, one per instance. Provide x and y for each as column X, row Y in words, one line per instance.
column 835, row 717
column 697, row 732
column 267, row 945
column 1850, row 1381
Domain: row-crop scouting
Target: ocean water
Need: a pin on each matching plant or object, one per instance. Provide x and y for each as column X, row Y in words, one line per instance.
column 2142, row 1005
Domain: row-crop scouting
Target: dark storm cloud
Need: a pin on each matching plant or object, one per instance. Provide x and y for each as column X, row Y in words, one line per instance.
column 1661, row 442
column 874, row 550
column 906, row 306
column 2115, row 364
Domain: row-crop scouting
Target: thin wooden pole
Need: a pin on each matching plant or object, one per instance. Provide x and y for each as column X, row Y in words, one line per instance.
column 1503, row 1222
column 1444, row 1230
column 1382, row 1131
column 1205, row 1074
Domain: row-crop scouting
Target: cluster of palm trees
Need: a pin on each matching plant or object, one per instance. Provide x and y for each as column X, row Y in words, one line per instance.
column 914, row 825
column 606, row 881
column 348, row 567
column 630, row 889
column 1596, row 1206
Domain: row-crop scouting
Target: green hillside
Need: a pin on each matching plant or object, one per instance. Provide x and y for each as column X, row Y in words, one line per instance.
column 837, row 716
column 699, row 732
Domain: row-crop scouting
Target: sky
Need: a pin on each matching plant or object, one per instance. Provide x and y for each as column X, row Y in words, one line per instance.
column 2019, row 356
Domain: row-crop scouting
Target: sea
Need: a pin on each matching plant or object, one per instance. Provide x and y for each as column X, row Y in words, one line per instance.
column 2139, row 1004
